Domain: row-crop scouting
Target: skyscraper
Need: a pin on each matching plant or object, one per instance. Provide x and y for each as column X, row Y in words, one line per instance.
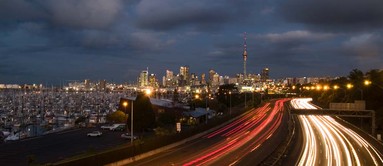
column 203, row 79
column 265, row 74
column 153, row 81
column 143, row 80
column 211, row 76
column 169, row 80
column 244, row 56
column 185, row 75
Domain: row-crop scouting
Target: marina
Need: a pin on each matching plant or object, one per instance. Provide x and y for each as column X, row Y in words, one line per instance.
column 30, row 113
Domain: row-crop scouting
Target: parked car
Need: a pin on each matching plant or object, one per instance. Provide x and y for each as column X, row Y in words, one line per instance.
column 106, row 127
column 111, row 127
column 119, row 128
column 128, row 136
column 94, row 134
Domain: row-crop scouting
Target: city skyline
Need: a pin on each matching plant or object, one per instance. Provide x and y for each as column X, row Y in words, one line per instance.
column 115, row 40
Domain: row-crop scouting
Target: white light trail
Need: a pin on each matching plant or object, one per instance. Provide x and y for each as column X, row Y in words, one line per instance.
column 337, row 141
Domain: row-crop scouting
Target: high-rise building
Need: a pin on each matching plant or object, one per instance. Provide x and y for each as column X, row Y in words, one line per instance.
column 265, row 74
column 215, row 81
column 144, row 78
column 184, row 75
column 169, row 74
column 102, row 85
column 203, row 79
column 169, row 79
column 153, row 81
column 193, row 79
column 87, row 84
column 211, row 75
column 164, row 81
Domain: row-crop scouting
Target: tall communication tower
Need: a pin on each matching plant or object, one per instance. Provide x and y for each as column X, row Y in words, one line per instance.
column 244, row 56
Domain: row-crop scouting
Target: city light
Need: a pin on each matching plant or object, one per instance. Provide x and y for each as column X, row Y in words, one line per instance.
column 367, row 82
column 349, row 86
column 148, row 92
column 318, row 87
column 326, row 87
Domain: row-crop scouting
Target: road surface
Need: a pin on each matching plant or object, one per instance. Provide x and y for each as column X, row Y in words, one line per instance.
column 57, row 146
column 327, row 141
column 247, row 140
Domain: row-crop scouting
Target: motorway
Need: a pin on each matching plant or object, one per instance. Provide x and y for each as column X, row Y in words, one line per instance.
column 57, row 146
column 329, row 141
column 247, row 140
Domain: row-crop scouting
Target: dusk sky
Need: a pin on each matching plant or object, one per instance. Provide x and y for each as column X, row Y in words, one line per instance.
column 52, row 41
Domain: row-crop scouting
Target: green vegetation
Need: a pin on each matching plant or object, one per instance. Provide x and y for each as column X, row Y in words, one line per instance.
column 117, row 117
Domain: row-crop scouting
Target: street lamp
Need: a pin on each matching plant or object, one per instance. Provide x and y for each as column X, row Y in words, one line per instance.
column 148, row 92
column 131, row 123
column 367, row 82
column 349, row 86
column 207, row 108
column 230, row 103
column 125, row 104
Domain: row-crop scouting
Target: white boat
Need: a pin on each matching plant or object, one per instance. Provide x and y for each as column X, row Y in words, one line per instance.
column 12, row 137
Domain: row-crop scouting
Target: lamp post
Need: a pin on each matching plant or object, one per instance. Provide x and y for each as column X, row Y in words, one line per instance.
column 245, row 100
column 125, row 104
column 252, row 95
column 131, row 123
column 366, row 83
column 207, row 109
column 230, row 103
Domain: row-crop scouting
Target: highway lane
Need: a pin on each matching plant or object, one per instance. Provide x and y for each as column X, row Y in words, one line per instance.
column 57, row 146
column 328, row 142
column 247, row 140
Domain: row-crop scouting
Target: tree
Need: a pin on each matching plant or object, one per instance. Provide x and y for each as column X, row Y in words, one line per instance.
column 117, row 117
column 143, row 114
column 356, row 77
column 80, row 120
column 166, row 118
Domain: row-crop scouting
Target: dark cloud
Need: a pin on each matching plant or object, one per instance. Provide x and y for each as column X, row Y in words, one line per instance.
column 294, row 39
column 365, row 45
column 93, row 14
column 200, row 14
column 12, row 72
column 170, row 14
column 334, row 15
column 89, row 14
column 23, row 10
column 116, row 39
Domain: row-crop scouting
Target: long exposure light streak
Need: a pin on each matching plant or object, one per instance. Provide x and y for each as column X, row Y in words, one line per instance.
column 341, row 145
column 245, row 134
